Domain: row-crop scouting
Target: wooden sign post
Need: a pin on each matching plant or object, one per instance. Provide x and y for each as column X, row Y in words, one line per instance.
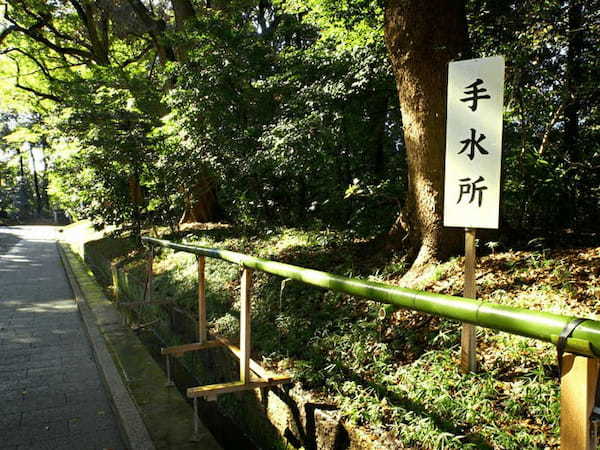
column 472, row 164
column 468, row 339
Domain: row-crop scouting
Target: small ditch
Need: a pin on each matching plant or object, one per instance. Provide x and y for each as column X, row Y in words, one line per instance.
column 225, row 431
column 237, row 421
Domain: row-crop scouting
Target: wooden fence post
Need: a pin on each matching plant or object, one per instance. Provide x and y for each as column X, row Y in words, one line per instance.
column 149, row 276
column 202, row 327
column 245, row 319
column 578, row 384
column 114, row 270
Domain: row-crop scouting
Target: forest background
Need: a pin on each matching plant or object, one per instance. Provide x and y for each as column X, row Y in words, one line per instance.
column 277, row 113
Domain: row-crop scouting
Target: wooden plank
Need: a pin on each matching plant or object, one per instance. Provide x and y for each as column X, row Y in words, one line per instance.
column 179, row 350
column 235, row 386
column 245, row 325
column 578, row 383
column 468, row 339
column 255, row 367
column 202, row 326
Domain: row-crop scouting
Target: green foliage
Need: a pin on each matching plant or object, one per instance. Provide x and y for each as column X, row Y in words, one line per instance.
column 290, row 109
column 286, row 139
column 348, row 23
column 114, row 156
column 551, row 170
column 24, row 167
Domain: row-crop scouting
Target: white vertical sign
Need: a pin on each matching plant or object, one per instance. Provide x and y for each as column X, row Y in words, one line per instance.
column 474, row 143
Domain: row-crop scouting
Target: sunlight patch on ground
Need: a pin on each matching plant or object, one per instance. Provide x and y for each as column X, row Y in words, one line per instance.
column 46, row 307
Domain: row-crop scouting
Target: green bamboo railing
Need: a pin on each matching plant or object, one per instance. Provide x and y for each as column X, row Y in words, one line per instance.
column 540, row 325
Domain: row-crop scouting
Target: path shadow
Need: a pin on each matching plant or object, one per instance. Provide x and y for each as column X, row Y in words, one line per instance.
column 7, row 241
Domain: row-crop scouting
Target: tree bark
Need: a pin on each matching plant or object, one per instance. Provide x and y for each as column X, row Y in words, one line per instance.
column 156, row 29
column 422, row 37
column 200, row 199
column 36, row 183
column 95, row 20
column 184, row 11
column 45, row 178
column 200, row 202
column 21, row 165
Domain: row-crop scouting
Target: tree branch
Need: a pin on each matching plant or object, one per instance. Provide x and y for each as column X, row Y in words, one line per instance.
column 47, row 19
column 47, row 71
column 155, row 25
column 37, row 93
column 4, row 34
column 549, row 127
column 30, row 89
column 78, row 9
column 155, row 29
column 98, row 47
column 38, row 63
column 33, row 33
column 66, row 37
column 137, row 57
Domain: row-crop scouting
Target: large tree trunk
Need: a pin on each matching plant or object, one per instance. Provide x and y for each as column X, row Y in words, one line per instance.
column 21, row 165
column 44, row 146
column 422, row 37
column 200, row 202
column 199, row 199
column 137, row 201
column 36, row 184
column 184, row 12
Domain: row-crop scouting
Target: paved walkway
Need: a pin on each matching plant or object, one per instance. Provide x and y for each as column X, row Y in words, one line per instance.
column 51, row 394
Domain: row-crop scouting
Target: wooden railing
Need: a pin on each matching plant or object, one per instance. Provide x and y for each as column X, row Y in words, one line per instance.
column 579, row 338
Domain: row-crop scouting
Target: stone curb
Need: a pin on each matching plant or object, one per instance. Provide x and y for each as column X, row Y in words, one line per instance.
column 129, row 418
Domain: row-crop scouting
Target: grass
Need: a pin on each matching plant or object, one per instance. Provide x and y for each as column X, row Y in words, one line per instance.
column 395, row 373
column 78, row 233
